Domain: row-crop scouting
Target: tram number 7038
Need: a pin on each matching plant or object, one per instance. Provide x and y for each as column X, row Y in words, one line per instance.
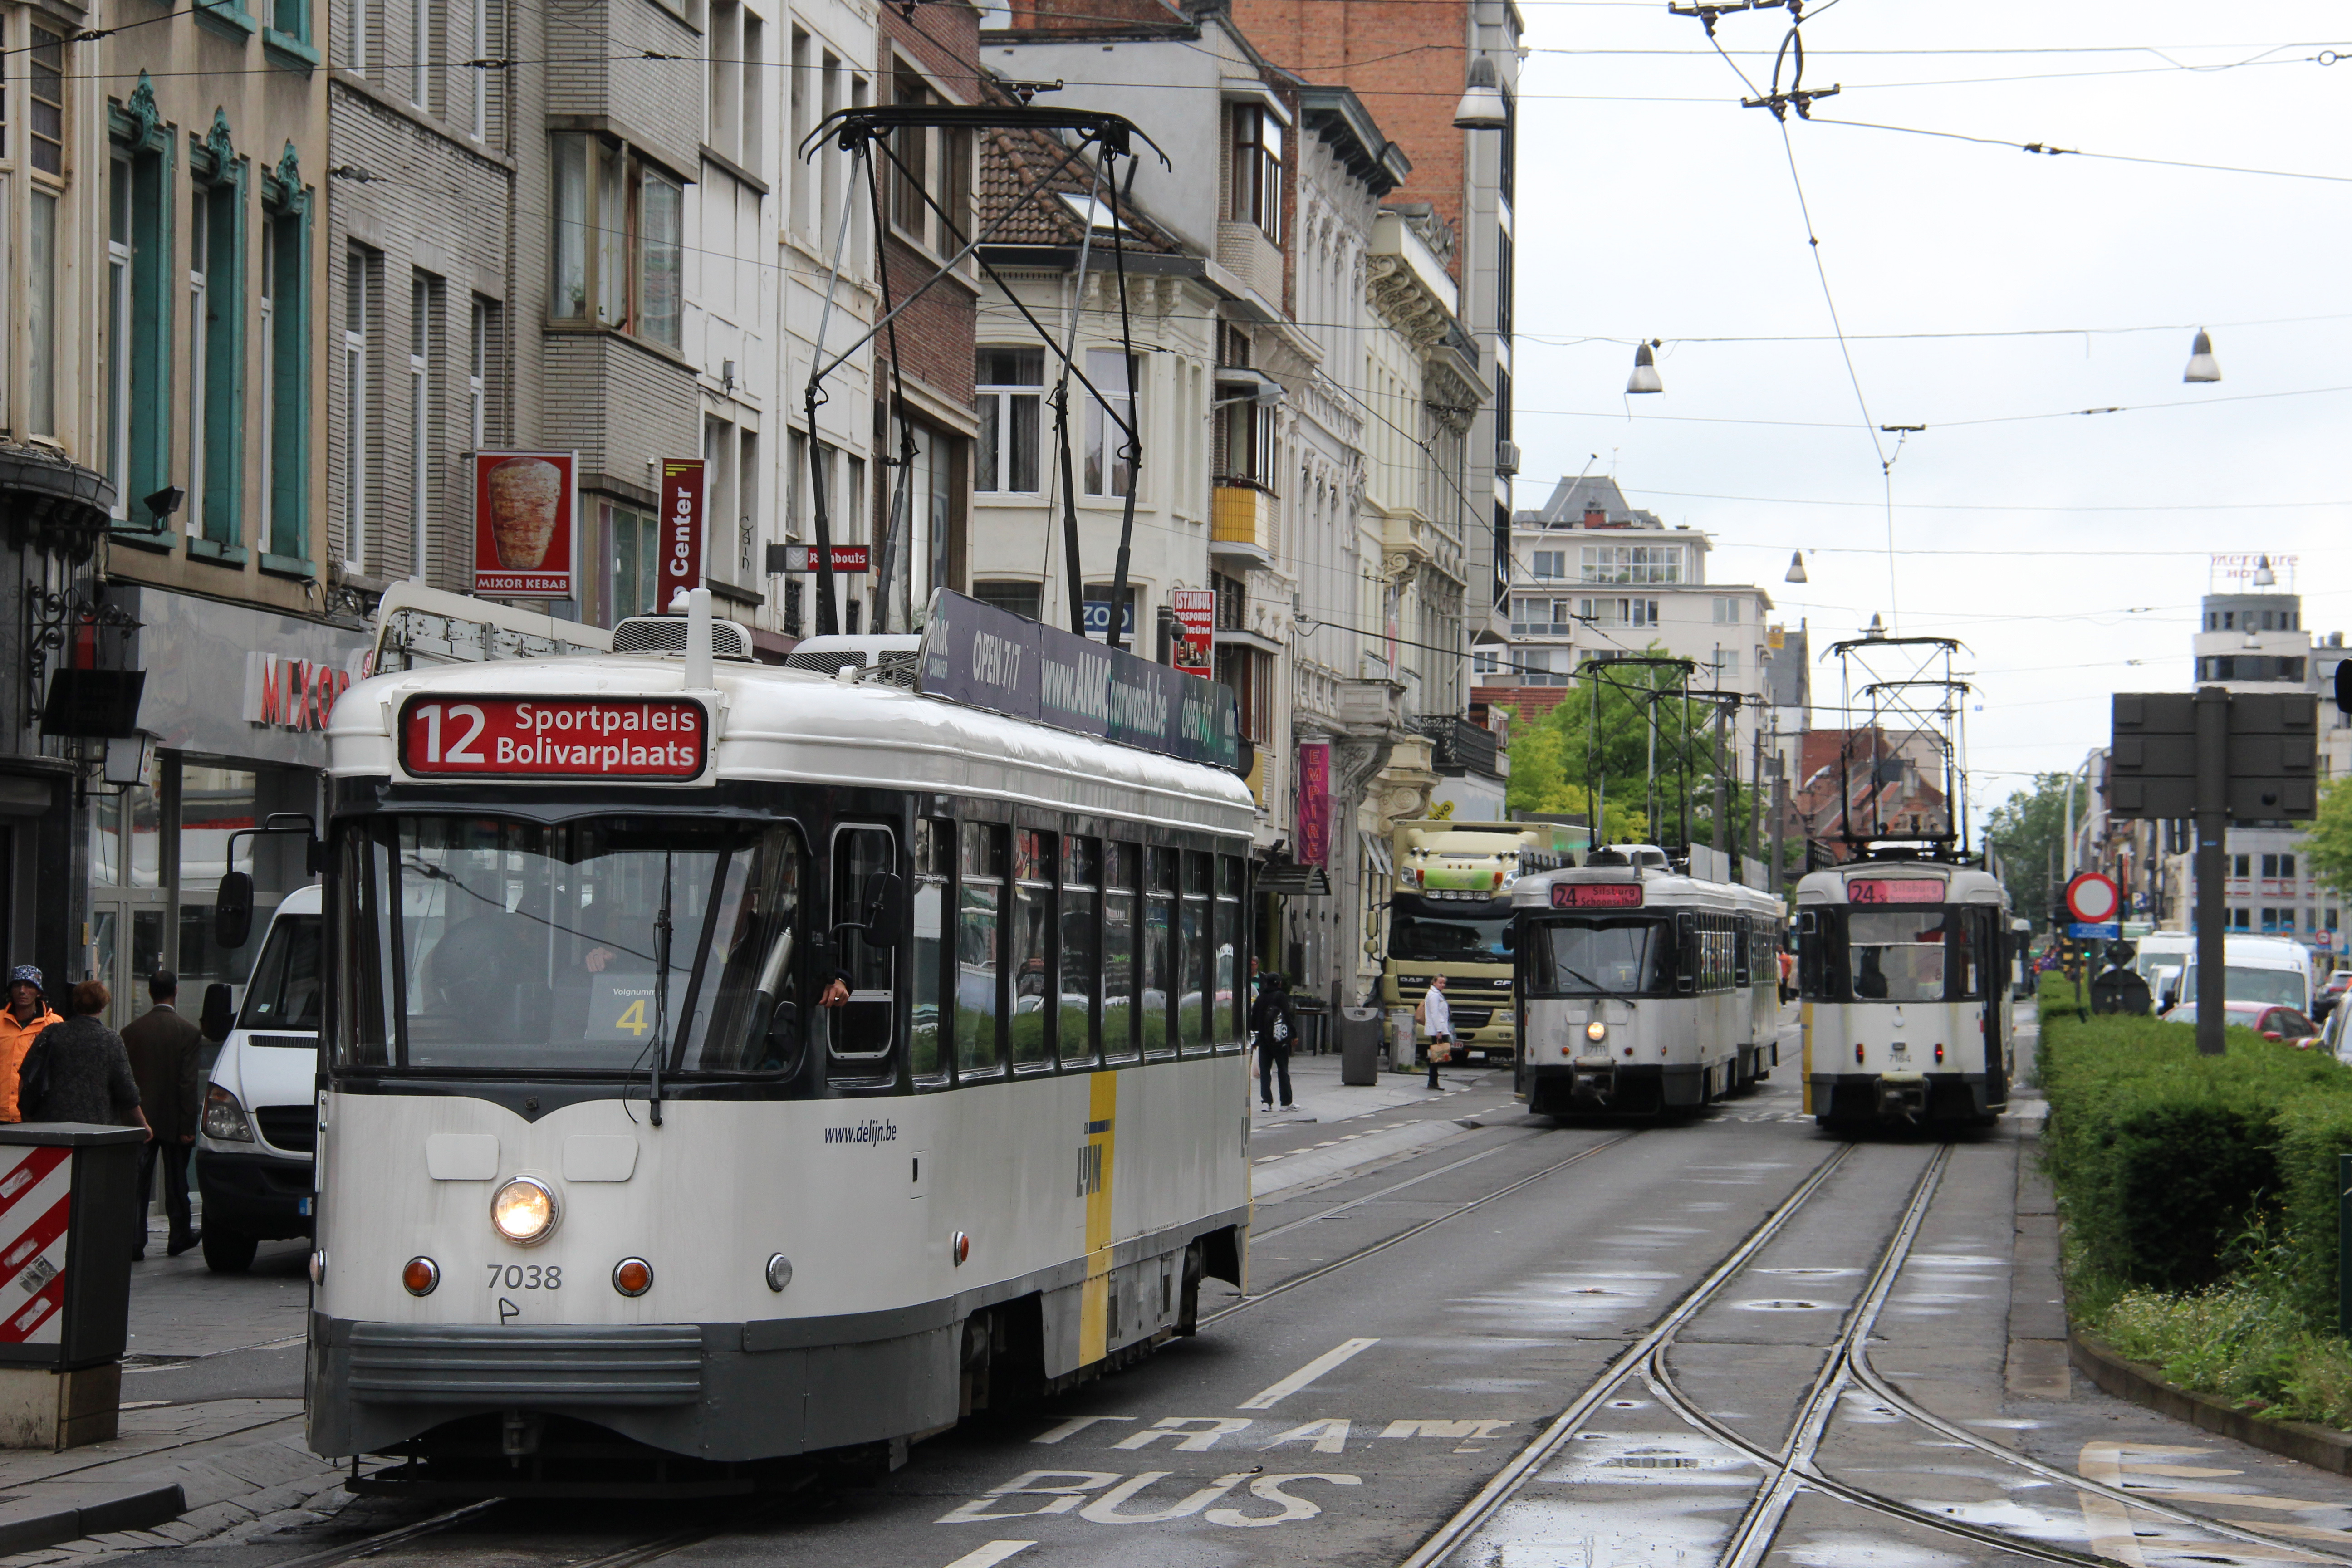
column 527, row 1275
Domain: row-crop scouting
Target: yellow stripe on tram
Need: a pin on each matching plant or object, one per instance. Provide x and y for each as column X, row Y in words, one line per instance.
column 1094, row 1303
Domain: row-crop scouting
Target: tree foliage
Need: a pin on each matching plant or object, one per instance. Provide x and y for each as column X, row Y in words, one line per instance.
column 2023, row 831
column 1575, row 756
column 2327, row 847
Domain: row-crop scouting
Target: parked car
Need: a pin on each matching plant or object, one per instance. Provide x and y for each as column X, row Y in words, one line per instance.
column 2270, row 1020
column 2331, row 993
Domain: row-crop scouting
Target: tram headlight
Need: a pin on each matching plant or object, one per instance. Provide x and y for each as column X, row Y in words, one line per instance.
column 421, row 1276
column 524, row 1210
column 1596, row 1031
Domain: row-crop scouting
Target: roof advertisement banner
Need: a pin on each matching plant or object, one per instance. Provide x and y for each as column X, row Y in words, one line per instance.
column 981, row 657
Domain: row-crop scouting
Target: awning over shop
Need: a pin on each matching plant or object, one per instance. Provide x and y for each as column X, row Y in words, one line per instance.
column 1294, row 881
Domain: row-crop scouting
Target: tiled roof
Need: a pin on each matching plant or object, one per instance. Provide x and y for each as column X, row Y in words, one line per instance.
column 1011, row 161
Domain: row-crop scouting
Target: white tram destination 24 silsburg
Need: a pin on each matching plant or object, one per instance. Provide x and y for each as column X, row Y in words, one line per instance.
column 730, row 1062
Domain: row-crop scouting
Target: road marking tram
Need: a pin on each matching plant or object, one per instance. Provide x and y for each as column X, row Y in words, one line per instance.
column 725, row 1062
column 1903, row 970
column 1641, row 989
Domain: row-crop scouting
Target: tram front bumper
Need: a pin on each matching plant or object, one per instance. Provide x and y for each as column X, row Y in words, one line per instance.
column 1900, row 1096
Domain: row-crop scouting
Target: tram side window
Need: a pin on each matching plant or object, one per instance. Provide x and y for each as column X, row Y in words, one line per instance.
column 1159, row 960
column 934, row 867
column 1191, row 998
column 1739, row 950
column 1120, row 974
column 1082, row 974
column 1896, row 957
column 364, row 1032
column 1034, row 989
column 863, row 1027
column 1231, row 1004
column 980, row 891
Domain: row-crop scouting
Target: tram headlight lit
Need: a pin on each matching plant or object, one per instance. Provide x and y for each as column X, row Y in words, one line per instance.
column 1596, row 1031
column 524, row 1210
column 420, row 1277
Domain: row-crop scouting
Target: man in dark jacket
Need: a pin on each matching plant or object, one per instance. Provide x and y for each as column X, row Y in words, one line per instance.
column 1274, row 1028
column 164, row 1048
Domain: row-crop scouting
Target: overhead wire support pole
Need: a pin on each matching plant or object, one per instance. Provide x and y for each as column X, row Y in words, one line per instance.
column 1131, row 425
column 1061, row 401
column 897, row 574
column 811, row 398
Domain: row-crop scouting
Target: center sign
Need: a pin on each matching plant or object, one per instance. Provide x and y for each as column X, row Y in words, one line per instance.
column 445, row 735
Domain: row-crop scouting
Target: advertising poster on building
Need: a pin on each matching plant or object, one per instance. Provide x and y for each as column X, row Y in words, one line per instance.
column 681, row 527
column 1196, row 629
column 526, row 524
column 1314, row 804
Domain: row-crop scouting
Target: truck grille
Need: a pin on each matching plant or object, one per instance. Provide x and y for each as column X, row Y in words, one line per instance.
column 401, row 1363
column 1473, row 1017
column 293, row 1128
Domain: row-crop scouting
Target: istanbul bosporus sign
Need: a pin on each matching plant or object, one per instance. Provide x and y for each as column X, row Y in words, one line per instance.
column 982, row 656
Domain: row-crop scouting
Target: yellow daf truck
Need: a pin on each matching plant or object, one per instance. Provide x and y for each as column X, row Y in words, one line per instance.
column 1451, row 915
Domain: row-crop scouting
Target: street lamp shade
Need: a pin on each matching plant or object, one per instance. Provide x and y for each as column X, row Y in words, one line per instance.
column 2264, row 577
column 1876, row 629
column 1645, row 373
column 1482, row 107
column 2202, row 366
column 1796, row 568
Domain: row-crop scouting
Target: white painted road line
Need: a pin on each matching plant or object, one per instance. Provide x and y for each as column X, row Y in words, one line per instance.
column 990, row 1556
column 1268, row 1398
column 1076, row 1424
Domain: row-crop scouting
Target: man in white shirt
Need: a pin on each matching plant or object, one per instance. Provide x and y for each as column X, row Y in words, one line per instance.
column 1437, row 1017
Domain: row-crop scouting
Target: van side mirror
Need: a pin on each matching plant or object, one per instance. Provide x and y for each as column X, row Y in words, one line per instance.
column 233, row 910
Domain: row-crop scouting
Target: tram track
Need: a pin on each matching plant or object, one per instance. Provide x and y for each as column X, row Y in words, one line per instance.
column 1794, row 1467
column 647, row 1550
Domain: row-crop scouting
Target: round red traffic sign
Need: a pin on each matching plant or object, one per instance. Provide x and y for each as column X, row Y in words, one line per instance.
column 2093, row 899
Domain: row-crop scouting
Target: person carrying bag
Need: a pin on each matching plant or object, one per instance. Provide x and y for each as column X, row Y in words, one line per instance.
column 1274, row 1028
column 1437, row 1015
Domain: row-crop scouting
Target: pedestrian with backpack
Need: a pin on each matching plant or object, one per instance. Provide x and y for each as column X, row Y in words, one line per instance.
column 1273, row 1027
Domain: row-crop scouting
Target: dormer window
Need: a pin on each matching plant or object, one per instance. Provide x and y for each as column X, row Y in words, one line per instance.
column 1258, row 169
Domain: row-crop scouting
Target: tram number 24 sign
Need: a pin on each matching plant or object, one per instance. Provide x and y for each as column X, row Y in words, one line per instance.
column 535, row 738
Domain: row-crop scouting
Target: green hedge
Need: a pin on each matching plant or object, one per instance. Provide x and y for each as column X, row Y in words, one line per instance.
column 2056, row 997
column 2162, row 1158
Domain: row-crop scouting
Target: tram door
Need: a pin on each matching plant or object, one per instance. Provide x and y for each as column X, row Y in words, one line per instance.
column 1982, row 929
column 862, row 1027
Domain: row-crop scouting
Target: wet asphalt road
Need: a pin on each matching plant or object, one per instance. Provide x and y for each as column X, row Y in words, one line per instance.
column 1348, row 1410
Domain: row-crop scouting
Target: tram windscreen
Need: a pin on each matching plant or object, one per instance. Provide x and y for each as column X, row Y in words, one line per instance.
column 1896, row 957
column 1426, row 931
column 502, row 945
column 1624, row 955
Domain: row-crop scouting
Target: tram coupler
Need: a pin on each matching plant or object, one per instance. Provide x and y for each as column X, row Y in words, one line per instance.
column 519, row 1434
column 1903, row 1096
column 1592, row 1086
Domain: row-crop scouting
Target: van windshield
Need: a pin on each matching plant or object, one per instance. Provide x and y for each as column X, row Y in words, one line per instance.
column 285, row 989
column 2271, row 987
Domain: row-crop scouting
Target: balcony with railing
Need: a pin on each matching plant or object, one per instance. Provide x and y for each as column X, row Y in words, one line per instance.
column 1242, row 521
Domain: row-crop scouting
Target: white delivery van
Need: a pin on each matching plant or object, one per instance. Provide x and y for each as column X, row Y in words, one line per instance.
column 260, row 1127
column 2268, row 969
column 2162, row 950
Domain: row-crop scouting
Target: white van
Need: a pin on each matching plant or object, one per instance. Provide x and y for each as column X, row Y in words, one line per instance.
column 2162, row 950
column 260, row 1127
column 2269, row 969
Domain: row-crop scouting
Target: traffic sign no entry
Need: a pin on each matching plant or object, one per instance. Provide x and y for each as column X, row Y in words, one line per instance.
column 2093, row 898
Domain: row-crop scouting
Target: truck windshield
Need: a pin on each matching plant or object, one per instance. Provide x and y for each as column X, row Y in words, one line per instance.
column 1622, row 955
column 493, row 944
column 284, row 992
column 1426, row 931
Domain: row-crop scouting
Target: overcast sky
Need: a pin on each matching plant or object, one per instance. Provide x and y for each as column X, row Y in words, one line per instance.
column 1650, row 205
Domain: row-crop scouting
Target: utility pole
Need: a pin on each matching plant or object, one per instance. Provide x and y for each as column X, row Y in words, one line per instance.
column 1756, row 793
column 2212, row 707
column 1722, row 805
column 1780, row 826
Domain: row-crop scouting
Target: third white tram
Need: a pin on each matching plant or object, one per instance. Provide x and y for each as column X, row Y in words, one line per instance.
column 1904, row 971
column 1640, row 990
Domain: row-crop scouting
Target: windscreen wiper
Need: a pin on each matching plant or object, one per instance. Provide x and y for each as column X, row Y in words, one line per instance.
column 661, row 934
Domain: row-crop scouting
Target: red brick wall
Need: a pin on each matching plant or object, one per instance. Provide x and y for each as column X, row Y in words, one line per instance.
column 1403, row 57
column 1527, row 703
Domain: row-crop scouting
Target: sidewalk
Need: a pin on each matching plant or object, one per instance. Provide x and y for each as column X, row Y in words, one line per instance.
column 1321, row 1099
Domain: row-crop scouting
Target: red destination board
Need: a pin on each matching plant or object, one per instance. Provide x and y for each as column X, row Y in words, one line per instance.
column 554, row 738
column 1595, row 895
column 1894, row 890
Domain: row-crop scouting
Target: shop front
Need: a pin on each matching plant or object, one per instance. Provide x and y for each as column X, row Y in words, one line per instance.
column 235, row 707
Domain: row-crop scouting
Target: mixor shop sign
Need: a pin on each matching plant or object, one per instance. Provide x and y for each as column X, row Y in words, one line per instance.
column 296, row 693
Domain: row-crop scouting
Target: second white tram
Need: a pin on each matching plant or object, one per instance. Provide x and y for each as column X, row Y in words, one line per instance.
column 1904, row 971
column 1640, row 990
column 726, row 1063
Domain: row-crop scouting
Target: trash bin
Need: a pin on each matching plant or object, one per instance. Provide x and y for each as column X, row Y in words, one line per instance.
column 1359, row 1044
column 1400, row 1039
column 69, row 1200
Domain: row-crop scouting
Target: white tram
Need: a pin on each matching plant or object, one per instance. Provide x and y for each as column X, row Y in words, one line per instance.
column 1642, row 990
column 1903, row 970
column 603, row 1181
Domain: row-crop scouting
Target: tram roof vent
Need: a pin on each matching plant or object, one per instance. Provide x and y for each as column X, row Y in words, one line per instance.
column 890, row 656
column 667, row 633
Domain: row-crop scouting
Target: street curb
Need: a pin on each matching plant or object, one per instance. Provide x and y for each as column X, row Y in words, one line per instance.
column 130, row 1510
column 2319, row 1446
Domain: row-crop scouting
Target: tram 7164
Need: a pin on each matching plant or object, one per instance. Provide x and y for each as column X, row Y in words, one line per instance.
column 1640, row 990
column 724, row 1062
column 1904, row 967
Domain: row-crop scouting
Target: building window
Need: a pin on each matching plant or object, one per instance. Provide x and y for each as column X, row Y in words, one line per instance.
column 1550, row 565
column 1248, row 672
column 637, row 570
column 118, row 332
column 358, row 61
column 1233, row 602
column 1618, row 612
column 1485, row 661
column 363, row 291
column 2242, row 866
column 797, row 100
column 1727, row 663
column 45, row 85
column 735, row 42
column 1012, row 393
column 1630, row 563
column 478, row 372
column 1258, row 169
column 217, row 344
column 1024, row 599
column 1727, row 612
column 1542, row 617
column 424, row 305
column 477, row 78
column 1248, row 443
column 141, row 411
column 41, row 313
column 931, row 187
column 420, row 52
column 1544, row 666
column 1110, row 462
column 618, row 240
column 285, row 369
column 934, row 540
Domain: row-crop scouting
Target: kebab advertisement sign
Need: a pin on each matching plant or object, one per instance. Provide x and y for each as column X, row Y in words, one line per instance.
column 526, row 524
